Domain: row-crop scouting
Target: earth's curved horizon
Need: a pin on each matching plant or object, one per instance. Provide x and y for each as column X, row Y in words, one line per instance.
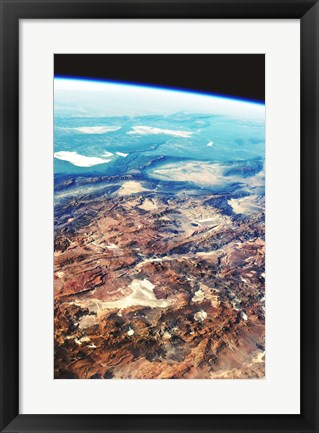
column 159, row 233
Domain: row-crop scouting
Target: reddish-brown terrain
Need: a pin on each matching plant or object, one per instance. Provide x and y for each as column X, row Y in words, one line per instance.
column 158, row 286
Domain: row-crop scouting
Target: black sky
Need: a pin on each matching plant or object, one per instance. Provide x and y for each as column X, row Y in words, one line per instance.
column 237, row 75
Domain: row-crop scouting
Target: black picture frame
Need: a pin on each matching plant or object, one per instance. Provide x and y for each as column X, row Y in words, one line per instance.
column 14, row 10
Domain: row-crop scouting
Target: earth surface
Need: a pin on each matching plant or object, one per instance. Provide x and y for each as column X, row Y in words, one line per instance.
column 159, row 233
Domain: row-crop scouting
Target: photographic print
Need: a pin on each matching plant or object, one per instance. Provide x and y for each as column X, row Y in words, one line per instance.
column 159, row 216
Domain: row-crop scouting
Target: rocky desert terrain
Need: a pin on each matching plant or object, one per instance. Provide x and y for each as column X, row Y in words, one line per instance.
column 157, row 284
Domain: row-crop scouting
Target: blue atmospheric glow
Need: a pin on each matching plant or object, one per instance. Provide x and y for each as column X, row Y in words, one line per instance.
column 114, row 128
column 149, row 86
